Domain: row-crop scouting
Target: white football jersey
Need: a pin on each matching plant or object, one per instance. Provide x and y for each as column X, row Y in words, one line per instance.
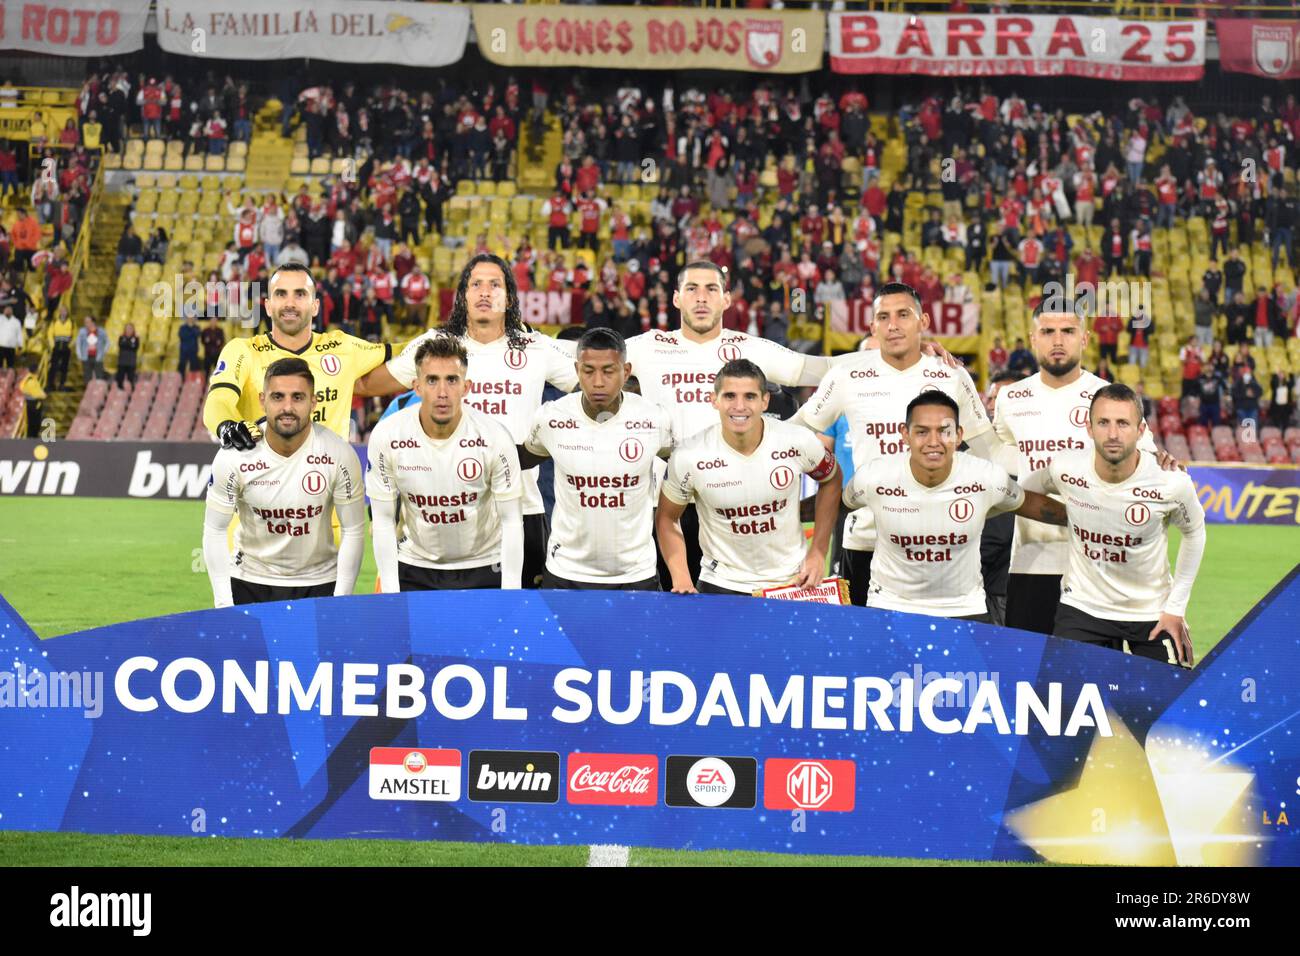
column 448, row 488
column 285, row 507
column 678, row 374
column 505, row 384
column 1118, row 535
column 601, row 528
column 1040, row 422
column 927, row 557
column 750, row 533
column 873, row 395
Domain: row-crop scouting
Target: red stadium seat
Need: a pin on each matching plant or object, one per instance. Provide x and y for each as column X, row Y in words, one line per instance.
column 1171, row 425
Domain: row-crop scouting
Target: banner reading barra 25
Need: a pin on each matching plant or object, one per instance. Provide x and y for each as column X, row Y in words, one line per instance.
column 413, row 34
column 651, row 38
column 74, row 27
column 992, row 45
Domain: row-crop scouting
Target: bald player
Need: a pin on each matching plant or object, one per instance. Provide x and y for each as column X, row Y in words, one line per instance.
column 1042, row 416
column 336, row 360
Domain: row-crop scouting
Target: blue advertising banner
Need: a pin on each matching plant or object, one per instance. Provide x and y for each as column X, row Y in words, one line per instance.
column 655, row 720
column 1247, row 494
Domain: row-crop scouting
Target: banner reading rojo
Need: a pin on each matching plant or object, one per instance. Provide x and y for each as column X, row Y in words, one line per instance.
column 413, row 34
column 653, row 38
column 74, row 27
column 1004, row 45
column 1245, row 494
column 1269, row 48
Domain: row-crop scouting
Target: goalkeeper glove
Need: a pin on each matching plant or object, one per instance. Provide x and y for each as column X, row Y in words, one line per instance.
column 239, row 435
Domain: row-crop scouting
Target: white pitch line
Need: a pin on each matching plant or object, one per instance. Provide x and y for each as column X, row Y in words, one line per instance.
column 607, row 854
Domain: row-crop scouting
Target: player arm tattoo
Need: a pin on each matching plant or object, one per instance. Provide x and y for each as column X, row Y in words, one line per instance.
column 1042, row 508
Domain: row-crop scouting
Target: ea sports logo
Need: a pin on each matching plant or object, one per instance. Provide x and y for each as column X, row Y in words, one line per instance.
column 1138, row 514
column 710, row 782
column 1079, row 416
column 516, row 358
column 415, row 762
column 331, row 364
column 631, row 449
column 782, row 476
column 469, row 469
column 729, row 353
column 313, row 483
column 961, row 510
column 809, row 784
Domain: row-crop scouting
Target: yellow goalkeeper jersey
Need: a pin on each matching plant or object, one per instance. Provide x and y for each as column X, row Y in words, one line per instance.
column 336, row 360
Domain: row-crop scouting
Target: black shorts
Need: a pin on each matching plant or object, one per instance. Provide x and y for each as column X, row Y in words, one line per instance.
column 1032, row 600
column 537, row 531
column 249, row 592
column 411, row 577
column 1127, row 636
column 553, row 582
column 704, row 587
column 977, row 618
column 855, row 567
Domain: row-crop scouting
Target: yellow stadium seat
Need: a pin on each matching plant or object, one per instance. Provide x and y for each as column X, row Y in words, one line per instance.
column 113, row 161
column 320, row 166
column 300, row 166
column 146, row 181
column 214, row 164
column 507, row 189
column 238, row 148
column 211, row 183
column 236, row 164
column 194, row 163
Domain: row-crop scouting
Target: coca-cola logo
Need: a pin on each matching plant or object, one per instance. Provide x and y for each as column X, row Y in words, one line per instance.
column 615, row 779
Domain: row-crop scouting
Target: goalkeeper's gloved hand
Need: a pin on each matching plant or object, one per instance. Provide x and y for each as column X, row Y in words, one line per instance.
column 239, row 435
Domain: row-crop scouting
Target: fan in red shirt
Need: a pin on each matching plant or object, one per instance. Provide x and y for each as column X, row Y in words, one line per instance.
column 589, row 209
column 415, row 294
column 634, row 281
column 588, row 177
column 1107, row 329
column 813, row 229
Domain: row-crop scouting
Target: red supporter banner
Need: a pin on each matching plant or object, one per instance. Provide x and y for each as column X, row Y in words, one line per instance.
column 1268, row 48
column 1102, row 48
column 947, row 319
column 535, row 308
column 75, row 27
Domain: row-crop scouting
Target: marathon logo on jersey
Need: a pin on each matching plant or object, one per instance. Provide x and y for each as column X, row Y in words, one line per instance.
column 407, row 773
column 726, row 783
column 809, row 784
column 514, row 776
column 621, row 780
column 331, row 364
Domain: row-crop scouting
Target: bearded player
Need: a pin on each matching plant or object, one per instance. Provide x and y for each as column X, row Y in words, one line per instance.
column 285, row 490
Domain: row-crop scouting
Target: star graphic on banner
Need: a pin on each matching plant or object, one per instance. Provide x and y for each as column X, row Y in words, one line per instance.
column 1162, row 806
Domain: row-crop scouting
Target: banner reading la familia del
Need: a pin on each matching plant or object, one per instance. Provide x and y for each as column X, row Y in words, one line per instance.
column 1010, row 45
column 651, row 38
column 655, row 720
column 412, row 34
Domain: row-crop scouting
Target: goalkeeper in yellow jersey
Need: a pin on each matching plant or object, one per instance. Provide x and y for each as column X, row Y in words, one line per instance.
column 337, row 361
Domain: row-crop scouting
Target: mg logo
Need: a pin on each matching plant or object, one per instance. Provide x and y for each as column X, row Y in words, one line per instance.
column 728, row 353
column 961, row 510
column 516, row 358
column 1079, row 416
column 809, row 784
column 1138, row 514
column 631, row 450
column 782, row 476
column 313, row 483
column 469, row 469
column 330, row 364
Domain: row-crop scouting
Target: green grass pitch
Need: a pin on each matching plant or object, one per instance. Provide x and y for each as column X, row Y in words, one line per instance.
column 72, row 564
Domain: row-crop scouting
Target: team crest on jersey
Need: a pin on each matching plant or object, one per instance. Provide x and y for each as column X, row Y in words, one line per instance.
column 782, row 477
column 516, row 358
column 961, row 510
column 331, row 364
column 1138, row 514
column 729, row 353
column 469, row 469
column 1079, row 416
column 313, row 483
column 631, row 450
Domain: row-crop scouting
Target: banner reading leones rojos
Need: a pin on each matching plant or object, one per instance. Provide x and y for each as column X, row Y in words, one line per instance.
column 345, row 31
column 651, row 38
column 74, row 27
column 993, row 45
